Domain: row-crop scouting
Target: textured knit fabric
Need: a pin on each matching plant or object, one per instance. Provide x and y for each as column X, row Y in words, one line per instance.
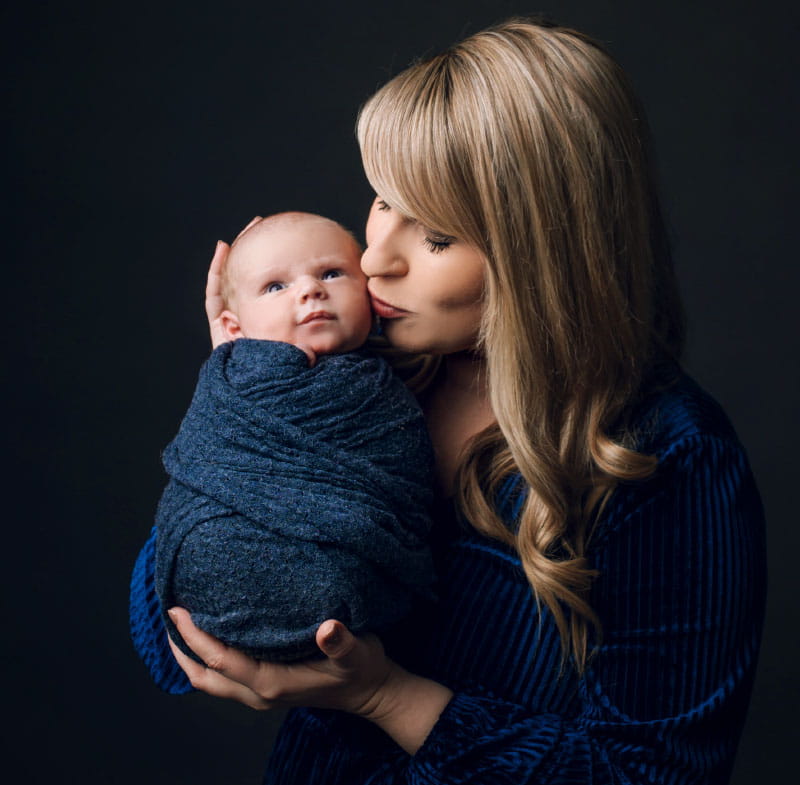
column 296, row 495
column 680, row 595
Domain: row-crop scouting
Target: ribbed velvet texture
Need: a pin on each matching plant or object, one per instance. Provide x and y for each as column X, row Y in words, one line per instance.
column 681, row 599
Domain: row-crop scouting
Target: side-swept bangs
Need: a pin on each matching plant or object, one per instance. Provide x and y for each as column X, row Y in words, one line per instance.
column 411, row 151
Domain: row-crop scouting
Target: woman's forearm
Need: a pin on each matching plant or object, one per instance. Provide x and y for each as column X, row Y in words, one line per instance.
column 407, row 708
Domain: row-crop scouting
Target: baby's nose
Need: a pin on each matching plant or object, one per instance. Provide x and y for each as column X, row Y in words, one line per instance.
column 310, row 288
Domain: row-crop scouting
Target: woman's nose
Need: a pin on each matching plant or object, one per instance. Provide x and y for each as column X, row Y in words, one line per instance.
column 384, row 255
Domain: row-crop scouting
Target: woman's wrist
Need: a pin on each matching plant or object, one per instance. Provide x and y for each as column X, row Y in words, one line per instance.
column 407, row 707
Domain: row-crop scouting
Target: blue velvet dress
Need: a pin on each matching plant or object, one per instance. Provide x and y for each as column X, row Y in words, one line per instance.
column 680, row 595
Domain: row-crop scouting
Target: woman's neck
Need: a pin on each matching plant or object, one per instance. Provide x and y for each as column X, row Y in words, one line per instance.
column 464, row 373
column 456, row 409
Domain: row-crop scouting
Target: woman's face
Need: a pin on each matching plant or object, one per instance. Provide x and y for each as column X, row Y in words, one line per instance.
column 426, row 287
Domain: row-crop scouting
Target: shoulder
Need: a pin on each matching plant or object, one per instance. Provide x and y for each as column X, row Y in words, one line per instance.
column 677, row 415
column 703, row 472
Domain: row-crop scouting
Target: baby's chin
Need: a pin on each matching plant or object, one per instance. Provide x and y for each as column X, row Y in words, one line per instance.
column 321, row 348
column 335, row 344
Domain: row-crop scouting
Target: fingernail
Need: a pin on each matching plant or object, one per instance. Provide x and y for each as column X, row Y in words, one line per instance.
column 335, row 637
column 174, row 616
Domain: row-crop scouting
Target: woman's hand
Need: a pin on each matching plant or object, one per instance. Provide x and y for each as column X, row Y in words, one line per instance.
column 215, row 305
column 350, row 678
column 356, row 676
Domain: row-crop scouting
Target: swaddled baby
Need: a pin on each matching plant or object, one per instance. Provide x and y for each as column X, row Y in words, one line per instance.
column 300, row 478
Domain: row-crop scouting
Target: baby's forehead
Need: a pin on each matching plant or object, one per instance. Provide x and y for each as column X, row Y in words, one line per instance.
column 301, row 229
column 291, row 241
column 288, row 227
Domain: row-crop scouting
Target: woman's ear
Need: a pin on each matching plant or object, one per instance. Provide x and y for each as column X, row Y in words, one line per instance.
column 230, row 325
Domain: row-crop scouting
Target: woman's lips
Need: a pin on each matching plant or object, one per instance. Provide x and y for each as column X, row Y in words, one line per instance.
column 384, row 310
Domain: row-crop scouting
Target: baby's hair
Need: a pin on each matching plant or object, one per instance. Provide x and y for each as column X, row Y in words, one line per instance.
column 270, row 223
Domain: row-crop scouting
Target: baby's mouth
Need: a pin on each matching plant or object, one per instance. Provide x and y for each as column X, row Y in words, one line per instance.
column 317, row 315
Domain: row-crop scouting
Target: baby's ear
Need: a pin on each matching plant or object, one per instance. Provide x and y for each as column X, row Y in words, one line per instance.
column 230, row 325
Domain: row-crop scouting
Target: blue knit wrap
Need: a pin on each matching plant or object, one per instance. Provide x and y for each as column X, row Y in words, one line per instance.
column 296, row 494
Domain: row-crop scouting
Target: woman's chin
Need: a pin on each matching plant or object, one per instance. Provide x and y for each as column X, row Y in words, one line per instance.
column 415, row 342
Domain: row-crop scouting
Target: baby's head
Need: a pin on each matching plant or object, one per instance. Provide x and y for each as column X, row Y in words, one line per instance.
column 296, row 277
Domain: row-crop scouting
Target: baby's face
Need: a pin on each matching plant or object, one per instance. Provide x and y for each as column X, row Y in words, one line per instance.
column 302, row 284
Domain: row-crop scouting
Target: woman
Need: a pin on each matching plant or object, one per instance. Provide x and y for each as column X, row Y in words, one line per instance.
column 600, row 538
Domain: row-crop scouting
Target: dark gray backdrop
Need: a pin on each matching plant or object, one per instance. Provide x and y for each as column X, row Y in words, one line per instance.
column 139, row 135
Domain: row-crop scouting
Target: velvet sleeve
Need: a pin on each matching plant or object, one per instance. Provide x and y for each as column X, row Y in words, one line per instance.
column 148, row 633
column 663, row 699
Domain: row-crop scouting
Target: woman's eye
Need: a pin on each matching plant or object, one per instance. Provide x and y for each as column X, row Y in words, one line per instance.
column 382, row 206
column 330, row 274
column 274, row 287
column 438, row 244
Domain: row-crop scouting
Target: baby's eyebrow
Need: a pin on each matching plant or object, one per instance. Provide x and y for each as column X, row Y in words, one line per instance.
column 328, row 260
column 279, row 272
column 274, row 271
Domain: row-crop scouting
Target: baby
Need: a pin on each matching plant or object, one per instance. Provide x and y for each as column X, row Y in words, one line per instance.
column 300, row 479
column 296, row 277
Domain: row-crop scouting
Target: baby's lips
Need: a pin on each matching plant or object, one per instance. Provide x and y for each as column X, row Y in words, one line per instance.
column 314, row 315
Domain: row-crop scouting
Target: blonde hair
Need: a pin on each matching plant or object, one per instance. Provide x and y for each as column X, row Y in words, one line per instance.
column 526, row 141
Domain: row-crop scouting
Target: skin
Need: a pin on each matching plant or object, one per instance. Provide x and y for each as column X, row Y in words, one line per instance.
column 429, row 298
column 432, row 284
column 298, row 281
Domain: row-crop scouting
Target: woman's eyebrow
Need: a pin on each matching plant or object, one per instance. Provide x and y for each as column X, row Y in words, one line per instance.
column 437, row 233
column 411, row 219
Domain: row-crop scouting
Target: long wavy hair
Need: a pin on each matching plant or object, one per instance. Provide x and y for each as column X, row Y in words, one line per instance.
column 526, row 141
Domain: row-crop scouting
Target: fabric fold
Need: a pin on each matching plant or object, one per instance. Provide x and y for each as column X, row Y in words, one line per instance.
column 296, row 494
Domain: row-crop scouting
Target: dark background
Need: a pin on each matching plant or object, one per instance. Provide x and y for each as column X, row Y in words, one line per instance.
column 139, row 135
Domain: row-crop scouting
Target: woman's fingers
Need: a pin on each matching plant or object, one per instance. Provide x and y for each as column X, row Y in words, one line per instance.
column 215, row 304
column 253, row 221
column 214, row 683
column 349, row 678
column 222, row 659
column 214, row 280
column 335, row 640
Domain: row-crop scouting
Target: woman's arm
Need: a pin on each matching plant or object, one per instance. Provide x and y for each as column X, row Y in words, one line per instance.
column 148, row 632
column 355, row 676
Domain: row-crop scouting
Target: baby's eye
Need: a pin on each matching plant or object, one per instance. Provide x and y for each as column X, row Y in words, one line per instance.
column 275, row 286
column 330, row 274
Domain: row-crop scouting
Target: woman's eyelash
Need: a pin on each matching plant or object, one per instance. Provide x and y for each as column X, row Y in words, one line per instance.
column 434, row 244
column 438, row 245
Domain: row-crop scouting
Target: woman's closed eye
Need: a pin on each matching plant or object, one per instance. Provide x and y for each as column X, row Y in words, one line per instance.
column 436, row 243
